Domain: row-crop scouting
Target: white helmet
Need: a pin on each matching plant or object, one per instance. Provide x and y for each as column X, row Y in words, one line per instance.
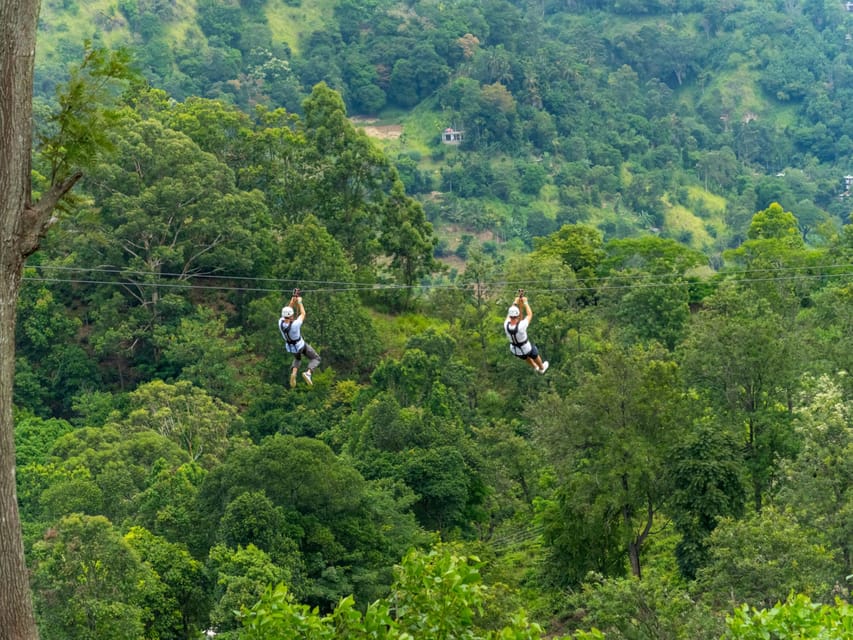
column 287, row 312
column 514, row 312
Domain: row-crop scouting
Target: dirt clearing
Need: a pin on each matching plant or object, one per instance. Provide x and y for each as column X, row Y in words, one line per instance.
column 379, row 131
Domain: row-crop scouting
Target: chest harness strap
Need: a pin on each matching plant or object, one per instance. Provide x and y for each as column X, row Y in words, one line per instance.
column 285, row 332
column 512, row 331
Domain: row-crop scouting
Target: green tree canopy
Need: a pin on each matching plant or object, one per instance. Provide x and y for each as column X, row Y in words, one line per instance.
column 348, row 537
column 817, row 485
column 181, row 610
column 438, row 594
column 739, row 356
column 797, row 618
column 776, row 223
column 203, row 426
column 90, row 584
column 608, row 442
column 759, row 560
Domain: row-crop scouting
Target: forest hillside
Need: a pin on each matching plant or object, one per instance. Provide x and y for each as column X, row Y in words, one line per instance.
column 679, row 118
column 660, row 184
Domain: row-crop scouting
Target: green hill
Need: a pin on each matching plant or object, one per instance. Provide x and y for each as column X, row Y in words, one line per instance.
column 614, row 116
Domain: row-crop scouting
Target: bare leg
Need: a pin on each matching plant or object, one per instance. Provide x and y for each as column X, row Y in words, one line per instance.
column 533, row 363
column 540, row 365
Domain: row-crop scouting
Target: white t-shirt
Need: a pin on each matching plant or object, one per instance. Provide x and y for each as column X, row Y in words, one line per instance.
column 294, row 332
column 520, row 338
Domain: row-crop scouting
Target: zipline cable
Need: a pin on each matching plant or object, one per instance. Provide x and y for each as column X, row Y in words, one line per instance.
column 598, row 285
column 732, row 272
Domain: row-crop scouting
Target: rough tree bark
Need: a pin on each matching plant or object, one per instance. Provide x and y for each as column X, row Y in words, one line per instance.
column 22, row 225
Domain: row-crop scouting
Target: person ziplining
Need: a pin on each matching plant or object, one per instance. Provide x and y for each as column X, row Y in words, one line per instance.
column 291, row 330
column 515, row 327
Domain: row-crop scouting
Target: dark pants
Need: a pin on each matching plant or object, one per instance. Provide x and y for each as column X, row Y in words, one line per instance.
column 310, row 353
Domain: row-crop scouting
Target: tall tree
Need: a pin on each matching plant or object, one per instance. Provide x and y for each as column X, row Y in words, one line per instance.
column 166, row 215
column 580, row 247
column 706, row 477
column 817, row 485
column 407, row 238
column 739, row 353
column 24, row 220
column 200, row 424
column 348, row 173
column 21, row 222
column 608, row 441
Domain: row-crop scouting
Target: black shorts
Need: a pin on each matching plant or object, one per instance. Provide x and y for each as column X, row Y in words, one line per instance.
column 532, row 355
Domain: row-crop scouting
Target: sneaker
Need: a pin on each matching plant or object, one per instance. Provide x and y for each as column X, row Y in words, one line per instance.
column 307, row 376
column 544, row 367
column 293, row 377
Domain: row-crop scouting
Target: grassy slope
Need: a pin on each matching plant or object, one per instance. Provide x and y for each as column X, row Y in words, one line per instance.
column 185, row 20
column 101, row 20
column 96, row 20
column 293, row 24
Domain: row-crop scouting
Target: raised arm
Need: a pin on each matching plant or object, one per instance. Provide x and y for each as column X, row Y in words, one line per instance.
column 529, row 311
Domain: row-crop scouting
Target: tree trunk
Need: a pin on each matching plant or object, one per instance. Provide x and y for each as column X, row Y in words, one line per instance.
column 16, row 615
column 634, row 557
column 18, row 21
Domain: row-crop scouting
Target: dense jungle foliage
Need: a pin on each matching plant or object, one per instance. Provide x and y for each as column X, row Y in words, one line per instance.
column 663, row 179
column 675, row 116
